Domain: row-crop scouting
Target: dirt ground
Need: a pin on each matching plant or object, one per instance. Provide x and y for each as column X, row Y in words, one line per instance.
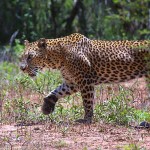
column 65, row 136
column 72, row 137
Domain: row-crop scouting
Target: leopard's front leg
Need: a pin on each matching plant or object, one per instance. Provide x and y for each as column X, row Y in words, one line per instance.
column 60, row 92
column 87, row 93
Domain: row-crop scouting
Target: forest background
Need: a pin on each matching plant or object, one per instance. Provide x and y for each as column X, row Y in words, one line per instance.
column 96, row 19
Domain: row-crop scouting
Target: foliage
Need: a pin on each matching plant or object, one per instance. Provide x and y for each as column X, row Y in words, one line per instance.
column 14, row 90
column 18, row 48
column 133, row 146
column 11, row 53
column 117, row 110
column 97, row 19
column 142, row 115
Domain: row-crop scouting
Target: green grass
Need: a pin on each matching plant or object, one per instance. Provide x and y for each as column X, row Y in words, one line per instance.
column 21, row 98
column 133, row 146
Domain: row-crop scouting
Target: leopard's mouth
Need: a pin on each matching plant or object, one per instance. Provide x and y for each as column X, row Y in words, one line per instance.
column 32, row 75
column 33, row 72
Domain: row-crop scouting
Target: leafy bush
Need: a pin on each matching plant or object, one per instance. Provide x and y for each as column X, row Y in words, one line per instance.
column 97, row 19
column 117, row 110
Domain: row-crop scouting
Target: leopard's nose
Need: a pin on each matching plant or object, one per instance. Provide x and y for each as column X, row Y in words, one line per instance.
column 22, row 67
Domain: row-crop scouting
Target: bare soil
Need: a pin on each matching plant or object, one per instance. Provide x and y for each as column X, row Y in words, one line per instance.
column 72, row 137
column 66, row 136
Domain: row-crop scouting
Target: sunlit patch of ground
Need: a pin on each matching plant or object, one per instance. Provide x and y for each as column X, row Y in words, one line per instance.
column 65, row 137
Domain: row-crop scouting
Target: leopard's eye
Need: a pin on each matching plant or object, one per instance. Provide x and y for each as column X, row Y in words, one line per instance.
column 29, row 57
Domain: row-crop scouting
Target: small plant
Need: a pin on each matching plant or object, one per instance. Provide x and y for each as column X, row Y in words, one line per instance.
column 60, row 144
column 85, row 148
column 143, row 115
column 18, row 48
column 64, row 130
column 132, row 146
column 117, row 110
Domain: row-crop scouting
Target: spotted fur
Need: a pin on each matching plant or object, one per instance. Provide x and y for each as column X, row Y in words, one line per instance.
column 85, row 63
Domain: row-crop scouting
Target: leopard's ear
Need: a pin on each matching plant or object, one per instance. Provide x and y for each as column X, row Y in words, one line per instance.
column 42, row 43
column 26, row 42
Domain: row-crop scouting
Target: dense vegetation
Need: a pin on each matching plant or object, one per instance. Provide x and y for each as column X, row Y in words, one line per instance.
column 104, row 19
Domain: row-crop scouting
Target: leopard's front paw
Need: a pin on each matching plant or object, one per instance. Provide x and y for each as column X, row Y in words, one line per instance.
column 84, row 121
column 49, row 104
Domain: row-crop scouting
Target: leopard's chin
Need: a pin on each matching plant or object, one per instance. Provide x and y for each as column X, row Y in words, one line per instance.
column 32, row 75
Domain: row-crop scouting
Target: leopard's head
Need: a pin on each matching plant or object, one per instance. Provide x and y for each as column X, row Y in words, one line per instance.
column 33, row 57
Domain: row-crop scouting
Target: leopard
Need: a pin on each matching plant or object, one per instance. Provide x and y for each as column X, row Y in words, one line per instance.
column 84, row 63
